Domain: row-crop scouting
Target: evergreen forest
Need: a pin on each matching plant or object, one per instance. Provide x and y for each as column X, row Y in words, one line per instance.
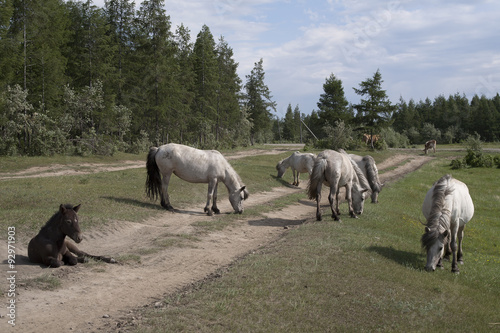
column 79, row 79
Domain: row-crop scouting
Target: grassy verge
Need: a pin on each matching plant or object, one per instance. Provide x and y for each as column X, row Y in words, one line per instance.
column 362, row 275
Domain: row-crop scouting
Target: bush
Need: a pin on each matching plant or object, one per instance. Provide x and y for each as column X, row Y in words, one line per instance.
column 338, row 137
column 393, row 139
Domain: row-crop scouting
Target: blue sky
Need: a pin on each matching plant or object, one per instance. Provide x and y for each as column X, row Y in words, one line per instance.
column 422, row 48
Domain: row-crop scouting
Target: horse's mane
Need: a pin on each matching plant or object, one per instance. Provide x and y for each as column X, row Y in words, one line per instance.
column 232, row 177
column 363, row 182
column 56, row 216
column 439, row 216
column 372, row 173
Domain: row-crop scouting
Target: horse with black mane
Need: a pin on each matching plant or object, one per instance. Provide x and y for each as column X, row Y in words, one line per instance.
column 194, row 166
column 50, row 246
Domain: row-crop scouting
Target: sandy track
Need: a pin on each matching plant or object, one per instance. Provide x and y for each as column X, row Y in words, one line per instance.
column 102, row 297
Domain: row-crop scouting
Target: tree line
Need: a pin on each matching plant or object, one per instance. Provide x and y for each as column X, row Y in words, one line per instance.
column 76, row 78
column 79, row 79
column 340, row 124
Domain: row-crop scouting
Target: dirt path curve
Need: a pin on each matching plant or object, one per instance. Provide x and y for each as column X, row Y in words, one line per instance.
column 102, row 297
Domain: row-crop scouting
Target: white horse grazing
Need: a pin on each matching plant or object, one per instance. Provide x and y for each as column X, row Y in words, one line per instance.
column 300, row 162
column 367, row 165
column 431, row 144
column 194, row 166
column 337, row 170
column 447, row 208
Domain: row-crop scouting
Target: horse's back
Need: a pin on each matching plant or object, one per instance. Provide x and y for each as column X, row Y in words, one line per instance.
column 462, row 207
column 191, row 164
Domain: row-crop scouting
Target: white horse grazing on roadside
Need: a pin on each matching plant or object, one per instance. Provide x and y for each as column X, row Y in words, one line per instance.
column 194, row 166
column 447, row 208
column 337, row 170
column 367, row 165
column 300, row 162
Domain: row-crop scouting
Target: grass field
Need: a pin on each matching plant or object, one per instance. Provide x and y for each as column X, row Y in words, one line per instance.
column 362, row 275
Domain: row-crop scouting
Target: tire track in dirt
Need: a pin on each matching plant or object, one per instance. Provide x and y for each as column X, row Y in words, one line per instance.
column 101, row 297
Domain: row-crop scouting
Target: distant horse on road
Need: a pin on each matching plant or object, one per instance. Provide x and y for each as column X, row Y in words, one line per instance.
column 300, row 162
column 431, row 144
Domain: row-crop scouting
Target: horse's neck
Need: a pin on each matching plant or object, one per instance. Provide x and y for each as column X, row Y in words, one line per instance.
column 231, row 180
column 53, row 232
column 287, row 161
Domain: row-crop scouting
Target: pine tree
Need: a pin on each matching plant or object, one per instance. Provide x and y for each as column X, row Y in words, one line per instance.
column 152, row 80
column 289, row 125
column 375, row 111
column 206, row 85
column 120, row 17
column 332, row 105
column 259, row 103
column 228, row 101
column 42, row 28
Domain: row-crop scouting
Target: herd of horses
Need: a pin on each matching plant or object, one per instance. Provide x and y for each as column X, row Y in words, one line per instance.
column 447, row 206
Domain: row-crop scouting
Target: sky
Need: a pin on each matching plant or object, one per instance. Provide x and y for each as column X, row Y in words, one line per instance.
column 422, row 48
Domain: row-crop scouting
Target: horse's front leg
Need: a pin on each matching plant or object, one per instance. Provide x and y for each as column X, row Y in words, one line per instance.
column 165, row 199
column 460, row 255
column 295, row 182
column 53, row 261
column 67, row 257
column 212, row 183
column 348, row 196
column 454, row 266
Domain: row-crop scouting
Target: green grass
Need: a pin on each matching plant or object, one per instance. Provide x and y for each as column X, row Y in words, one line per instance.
column 359, row 276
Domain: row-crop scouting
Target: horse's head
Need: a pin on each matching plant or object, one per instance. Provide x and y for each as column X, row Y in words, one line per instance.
column 236, row 198
column 69, row 222
column 434, row 241
column 281, row 169
column 358, row 198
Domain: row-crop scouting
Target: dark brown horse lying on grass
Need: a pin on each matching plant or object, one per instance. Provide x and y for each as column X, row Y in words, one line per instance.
column 50, row 247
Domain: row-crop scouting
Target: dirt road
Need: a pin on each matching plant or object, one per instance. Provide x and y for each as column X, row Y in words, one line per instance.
column 102, row 297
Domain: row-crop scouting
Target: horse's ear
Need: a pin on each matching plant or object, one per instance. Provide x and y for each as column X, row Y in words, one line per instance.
column 62, row 209
column 76, row 208
column 245, row 192
column 427, row 229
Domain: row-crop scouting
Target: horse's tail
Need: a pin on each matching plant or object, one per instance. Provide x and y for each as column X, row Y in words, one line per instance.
column 153, row 178
column 317, row 177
